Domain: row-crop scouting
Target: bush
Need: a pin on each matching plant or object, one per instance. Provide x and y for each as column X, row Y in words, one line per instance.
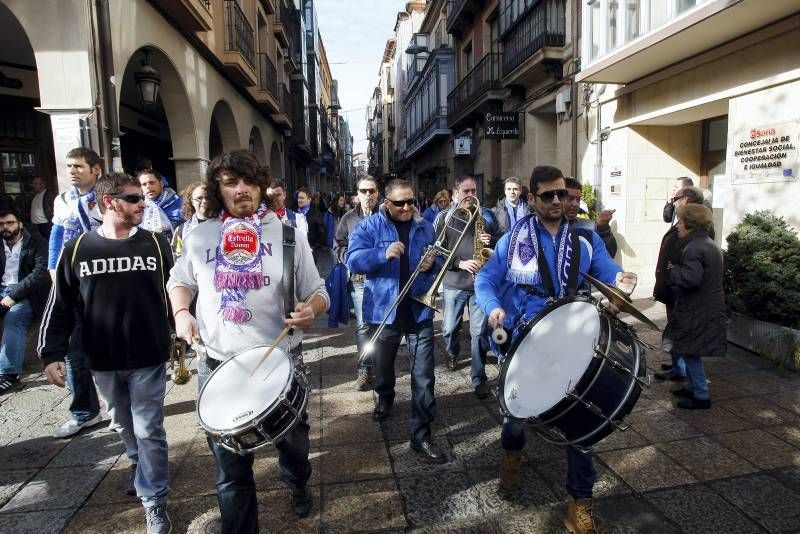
column 762, row 270
column 588, row 196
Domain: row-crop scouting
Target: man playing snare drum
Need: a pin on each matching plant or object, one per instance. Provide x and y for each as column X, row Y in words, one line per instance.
column 240, row 305
column 531, row 265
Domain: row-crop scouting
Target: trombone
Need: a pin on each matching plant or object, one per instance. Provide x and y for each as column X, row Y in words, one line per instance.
column 466, row 212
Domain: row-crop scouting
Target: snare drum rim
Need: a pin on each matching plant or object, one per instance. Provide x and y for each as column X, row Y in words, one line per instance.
column 501, row 380
column 257, row 418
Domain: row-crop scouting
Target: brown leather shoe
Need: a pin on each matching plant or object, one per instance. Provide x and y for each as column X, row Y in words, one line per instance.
column 509, row 469
column 579, row 518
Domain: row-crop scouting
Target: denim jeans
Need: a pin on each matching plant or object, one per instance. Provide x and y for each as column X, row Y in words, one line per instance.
column 420, row 353
column 678, row 365
column 581, row 474
column 236, row 485
column 454, row 302
column 136, row 402
column 698, row 383
column 85, row 404
column 15, row 334
column 362, row 330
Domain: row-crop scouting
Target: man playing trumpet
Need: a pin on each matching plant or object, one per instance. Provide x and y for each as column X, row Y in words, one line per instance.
column 386, row 247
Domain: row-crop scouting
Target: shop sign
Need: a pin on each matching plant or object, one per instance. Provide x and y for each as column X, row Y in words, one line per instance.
column 462, row 146
column 502, row 125
column 766, row 153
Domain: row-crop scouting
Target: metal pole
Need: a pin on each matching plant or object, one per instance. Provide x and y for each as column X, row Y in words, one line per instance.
column 108, row 85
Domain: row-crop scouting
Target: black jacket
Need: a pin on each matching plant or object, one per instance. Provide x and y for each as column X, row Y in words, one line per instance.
column 34, row 280
column 696, row 325
column 316, row 227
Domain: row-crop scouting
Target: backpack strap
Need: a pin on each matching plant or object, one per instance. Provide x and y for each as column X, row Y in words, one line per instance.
column 288, row 268
column 572, row 277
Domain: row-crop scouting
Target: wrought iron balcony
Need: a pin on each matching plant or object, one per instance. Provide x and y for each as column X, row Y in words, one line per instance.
column 542, row 25
column 267, row 75
column 239, row 36
column 475, row 87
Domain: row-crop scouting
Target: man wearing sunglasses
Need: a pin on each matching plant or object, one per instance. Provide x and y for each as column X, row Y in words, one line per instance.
column 389, row 247
column 540, row 259
column 114, row 281
column 366, row 206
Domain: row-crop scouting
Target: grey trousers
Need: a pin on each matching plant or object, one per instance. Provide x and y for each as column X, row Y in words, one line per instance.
column 136, row 402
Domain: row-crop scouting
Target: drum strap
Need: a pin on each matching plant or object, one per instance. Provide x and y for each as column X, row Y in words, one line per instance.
column 288, row 268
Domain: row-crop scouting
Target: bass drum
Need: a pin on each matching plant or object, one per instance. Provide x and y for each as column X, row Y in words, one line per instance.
column 244, row 413
column 574, row 372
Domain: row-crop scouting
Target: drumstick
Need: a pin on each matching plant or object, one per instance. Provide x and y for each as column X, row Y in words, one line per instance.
column 283, row 334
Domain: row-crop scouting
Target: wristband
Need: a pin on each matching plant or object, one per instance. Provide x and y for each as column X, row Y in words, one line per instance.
column 179, row 310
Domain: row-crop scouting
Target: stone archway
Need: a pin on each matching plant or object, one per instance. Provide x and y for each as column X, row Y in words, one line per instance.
column 275, row 159
column 164, row 133
column 256, row 145
column 223, row 136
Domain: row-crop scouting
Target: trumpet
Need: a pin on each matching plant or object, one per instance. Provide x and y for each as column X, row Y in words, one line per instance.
column 177, row 352
column 466, row 211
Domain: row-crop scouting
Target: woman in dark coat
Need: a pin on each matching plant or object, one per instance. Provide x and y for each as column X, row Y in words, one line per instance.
column 697, row 324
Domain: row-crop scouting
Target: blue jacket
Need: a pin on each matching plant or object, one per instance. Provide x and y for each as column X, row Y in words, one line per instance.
column 367, row 254
column 494, row 291
column 330, row 228
column 431, row 213
column 336, row 284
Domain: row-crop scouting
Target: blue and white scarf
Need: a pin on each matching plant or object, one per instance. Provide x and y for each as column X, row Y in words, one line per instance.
column 523, row 254
column 80, row 219
column 155, row 218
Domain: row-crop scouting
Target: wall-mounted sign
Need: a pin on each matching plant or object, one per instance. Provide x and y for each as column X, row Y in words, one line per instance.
column 462, row 146
column 766, row 153
column 502, row 125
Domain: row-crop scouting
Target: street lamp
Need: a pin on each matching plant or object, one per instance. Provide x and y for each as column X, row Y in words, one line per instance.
column 148, row 81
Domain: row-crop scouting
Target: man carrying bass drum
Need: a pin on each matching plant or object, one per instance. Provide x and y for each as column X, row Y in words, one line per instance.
column 241, row 305
column 531, row 266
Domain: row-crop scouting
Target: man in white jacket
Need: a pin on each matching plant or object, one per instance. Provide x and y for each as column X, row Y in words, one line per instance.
column 242, row 306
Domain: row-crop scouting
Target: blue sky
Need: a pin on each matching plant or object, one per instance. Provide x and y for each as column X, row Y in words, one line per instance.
column 355, row 34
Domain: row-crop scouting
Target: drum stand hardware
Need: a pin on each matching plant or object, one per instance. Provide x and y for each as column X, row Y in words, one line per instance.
column 644, row 382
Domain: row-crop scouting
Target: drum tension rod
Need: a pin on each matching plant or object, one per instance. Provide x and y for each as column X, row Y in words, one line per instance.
column 596, row 410
column 644, row 382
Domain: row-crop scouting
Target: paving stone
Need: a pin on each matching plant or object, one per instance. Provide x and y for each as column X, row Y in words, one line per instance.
column 398, row 427
column 621, row 440
column 275, row 512
column 724, row 366
column 350, row 429
column 660, row 425
column 788, row 476
column 726, row 387
column 699, row 510
column 477, row 450
column 468, row 419
column 345, row 383
column 538, row 450
column 407, row 462
column 194, row 475
column 545, row 519
column 364, row 506
column 788, row 400
column 761, row 448
column 554, row 472
column 762, row 382
column 760, row 411
column 25, row 453
column 336, row 404
column 533, row 492
column 11, row 481
column 788, row 433
column 630, row 515
column 33, row 522
column 339, row 365
column 715, row 420
column 706, row 459
column 439, row 498
column 90, row 448
column 66, row 487
column 485, row 525
column 764, row 499
column 346, row 464
column 646, row 468
column 111, row 490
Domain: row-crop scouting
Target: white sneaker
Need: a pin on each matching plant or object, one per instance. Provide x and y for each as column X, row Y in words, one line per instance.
column 72, row 427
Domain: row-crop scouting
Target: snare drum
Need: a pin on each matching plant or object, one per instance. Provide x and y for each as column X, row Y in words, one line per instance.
column 574, row 372
column 244, row 413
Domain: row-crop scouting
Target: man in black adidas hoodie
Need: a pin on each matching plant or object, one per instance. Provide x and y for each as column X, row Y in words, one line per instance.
column 115, row 279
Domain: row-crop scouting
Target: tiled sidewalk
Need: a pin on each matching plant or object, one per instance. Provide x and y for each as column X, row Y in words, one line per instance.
column 734, row 468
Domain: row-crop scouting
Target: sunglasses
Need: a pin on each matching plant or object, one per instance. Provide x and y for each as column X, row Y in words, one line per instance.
column 130, row 199
column 548, row 196
column 366, row 191
column 402, row 203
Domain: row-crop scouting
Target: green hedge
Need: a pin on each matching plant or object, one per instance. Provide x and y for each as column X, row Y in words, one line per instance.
column 762, row 269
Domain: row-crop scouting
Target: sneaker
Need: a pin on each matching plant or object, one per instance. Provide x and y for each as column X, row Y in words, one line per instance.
column 364, row 381
column 301, row 502
column 7, row 382
column 130, row 489
column 579, row 518
column 158, row 521
column 452, row 362
column 72, row 427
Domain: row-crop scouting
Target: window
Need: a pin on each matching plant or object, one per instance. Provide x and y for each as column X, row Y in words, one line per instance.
column 613, row 26
column 595, row 29
column 467, row 60
column 633, row 20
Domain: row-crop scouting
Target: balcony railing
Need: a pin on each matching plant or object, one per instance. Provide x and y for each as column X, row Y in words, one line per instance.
column 440, row 38
column 267, row 75
column 286, row 101
column 238, row 32
column 543, row 25
column 484, row 77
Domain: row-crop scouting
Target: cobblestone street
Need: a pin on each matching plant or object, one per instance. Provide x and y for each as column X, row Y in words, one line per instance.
column 734, row 468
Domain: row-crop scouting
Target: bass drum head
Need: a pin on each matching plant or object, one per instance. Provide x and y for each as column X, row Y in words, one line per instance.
column 231, row 397
column 550, row 359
